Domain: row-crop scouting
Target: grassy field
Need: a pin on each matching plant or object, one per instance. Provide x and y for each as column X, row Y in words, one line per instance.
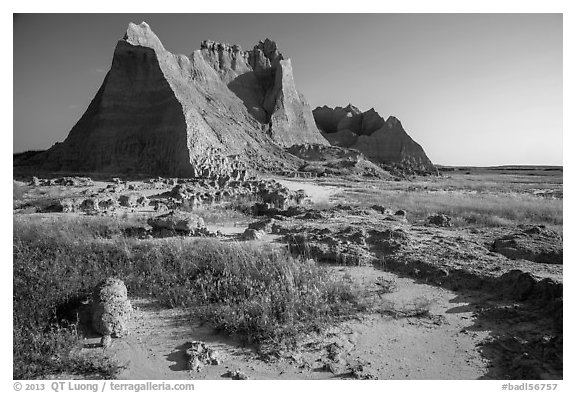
column 262, row 294
column 480, row 199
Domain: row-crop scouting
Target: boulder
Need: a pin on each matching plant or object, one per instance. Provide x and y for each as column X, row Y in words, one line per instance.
column 111, row 308
column 533, row 243
column 178, row 221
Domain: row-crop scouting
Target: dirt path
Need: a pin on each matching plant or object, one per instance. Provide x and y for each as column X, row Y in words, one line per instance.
column 394, row 345
column 385, row 346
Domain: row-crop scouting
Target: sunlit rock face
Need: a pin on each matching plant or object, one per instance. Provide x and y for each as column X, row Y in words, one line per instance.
column 383, row 141
column 158, row 113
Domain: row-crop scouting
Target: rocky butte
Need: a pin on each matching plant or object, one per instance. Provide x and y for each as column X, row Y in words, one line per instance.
column 382, row 141
column 159, row 113
column 219, row 111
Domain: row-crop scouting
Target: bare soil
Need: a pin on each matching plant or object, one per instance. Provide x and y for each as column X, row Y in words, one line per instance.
column 382, row 344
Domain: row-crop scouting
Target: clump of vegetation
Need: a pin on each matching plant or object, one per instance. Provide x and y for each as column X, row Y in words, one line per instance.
column 264, row 295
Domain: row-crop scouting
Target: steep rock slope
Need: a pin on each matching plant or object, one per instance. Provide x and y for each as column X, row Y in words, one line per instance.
column 176, row 115
column 383, row 141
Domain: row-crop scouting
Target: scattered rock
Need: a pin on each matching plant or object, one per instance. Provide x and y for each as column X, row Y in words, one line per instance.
column 133, row 200
column 73, row 181
column 198, row 355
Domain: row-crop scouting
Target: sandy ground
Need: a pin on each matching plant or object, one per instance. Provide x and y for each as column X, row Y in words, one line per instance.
column 429, row 347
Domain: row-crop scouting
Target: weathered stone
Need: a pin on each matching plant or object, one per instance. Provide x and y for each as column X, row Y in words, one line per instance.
column 198, row 354
column 536, row 243
column 440, row 220
column 106, row 341
column 179, row 222
column 111, row 308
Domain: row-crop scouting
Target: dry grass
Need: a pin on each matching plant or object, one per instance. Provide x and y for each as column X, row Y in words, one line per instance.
column 478, row 209
column 484, row 200
column 264, row 295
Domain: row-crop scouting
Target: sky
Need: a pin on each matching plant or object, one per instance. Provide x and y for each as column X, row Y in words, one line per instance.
column 472, row 89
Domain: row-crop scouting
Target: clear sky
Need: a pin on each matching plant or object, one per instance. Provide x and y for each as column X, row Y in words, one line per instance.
column 472, row 89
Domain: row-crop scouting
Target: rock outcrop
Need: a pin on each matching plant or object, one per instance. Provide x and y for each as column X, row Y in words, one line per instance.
column 383, row 141
column 165, row 114
column 534, row 243
column 324, row 160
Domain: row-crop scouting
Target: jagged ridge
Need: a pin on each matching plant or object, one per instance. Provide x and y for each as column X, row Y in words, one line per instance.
column 165, row 114
column 383, row 141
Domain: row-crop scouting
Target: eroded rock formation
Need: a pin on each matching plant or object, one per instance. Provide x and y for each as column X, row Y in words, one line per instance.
column 166, row 114
column 383, row 141
column 111, row 308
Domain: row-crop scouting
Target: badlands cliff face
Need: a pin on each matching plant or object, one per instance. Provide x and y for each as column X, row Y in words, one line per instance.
column 383, row 141
column 159, row 113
